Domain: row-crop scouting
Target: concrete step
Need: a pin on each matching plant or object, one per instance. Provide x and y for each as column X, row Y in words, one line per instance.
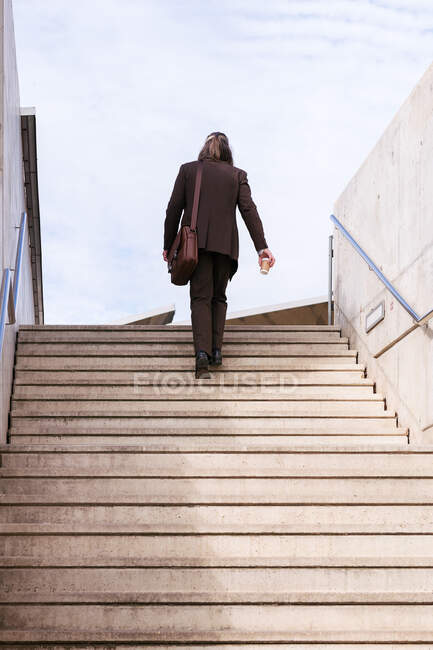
column 173, row 327
column 237, row 646
column 175, row 336
column 218, row 646
column 214, row 442
column 178, row 391
column 205, row 426
column 337, row 349
column 204, row 408
column 217, row 490
column 221, row 519
column 217, row 585
column 73, row 461
column 190, row 624
column 135, row 363
column 225, row 446
column 336, row 377
column 346, row 550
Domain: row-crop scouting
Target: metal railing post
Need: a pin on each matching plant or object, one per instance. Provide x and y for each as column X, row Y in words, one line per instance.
column 330, row 256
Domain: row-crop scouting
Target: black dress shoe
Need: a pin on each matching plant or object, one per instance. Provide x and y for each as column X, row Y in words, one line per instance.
column 217, row 357
column 202, row 365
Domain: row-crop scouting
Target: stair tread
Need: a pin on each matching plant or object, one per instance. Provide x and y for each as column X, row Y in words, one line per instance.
column 248, row 338
column 208, row 408
column 259, row 623
column 178, row 393
column 75, row 461
column 234, row 443
column 219, row 550
column 222, row 597
column 173, row 327
column 65, row 448
column 216, row 490
column 143, row 364
column 317, row 378
column 217, row 518
column 217, row 646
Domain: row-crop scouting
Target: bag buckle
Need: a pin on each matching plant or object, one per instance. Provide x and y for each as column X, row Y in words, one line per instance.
column 170, row 264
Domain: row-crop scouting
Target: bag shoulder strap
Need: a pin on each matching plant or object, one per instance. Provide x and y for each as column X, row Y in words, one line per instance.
column 196, row 195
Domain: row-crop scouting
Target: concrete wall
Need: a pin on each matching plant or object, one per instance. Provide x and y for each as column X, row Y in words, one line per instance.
column 12, row 202
column 388, row 208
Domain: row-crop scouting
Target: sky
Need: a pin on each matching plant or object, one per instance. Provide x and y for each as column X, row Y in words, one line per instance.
column 127, row 90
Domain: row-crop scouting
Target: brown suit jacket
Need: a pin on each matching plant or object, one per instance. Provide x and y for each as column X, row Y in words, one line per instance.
column 223, row 187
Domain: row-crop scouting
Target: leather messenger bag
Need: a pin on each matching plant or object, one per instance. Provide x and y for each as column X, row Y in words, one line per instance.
column 182, row 257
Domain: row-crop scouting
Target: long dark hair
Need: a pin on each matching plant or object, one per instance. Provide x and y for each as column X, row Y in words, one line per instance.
column 217, row 146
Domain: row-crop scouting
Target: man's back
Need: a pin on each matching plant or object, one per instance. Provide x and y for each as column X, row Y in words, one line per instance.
column 223, row 187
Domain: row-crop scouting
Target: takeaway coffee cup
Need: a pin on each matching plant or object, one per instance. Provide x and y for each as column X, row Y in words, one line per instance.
column 264, row 265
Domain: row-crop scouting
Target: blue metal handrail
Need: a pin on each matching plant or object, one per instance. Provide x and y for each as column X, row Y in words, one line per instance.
column 19, row 258
column 419, row 320
column 9, row 293
column 7, row 305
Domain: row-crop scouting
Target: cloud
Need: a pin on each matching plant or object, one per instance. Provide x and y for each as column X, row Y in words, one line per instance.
column 125, row 91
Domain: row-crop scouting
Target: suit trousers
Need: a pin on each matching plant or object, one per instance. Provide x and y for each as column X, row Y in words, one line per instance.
column 207, row 288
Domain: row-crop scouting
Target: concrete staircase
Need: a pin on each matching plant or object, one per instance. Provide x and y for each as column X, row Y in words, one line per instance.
column 275, row 506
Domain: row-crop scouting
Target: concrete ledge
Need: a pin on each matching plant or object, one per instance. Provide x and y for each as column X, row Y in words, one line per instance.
column 28, row 135
column 158, row 316
column 309, row 311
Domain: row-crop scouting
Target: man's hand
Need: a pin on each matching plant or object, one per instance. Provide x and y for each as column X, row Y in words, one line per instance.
column 266, row 252
column 164, row 255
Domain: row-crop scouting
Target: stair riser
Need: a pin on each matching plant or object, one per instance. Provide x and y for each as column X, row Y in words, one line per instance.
column 174, row 327
column 231, row 585
column 217, row 490
column 204, row 426
column 191, row 623
column 238, row 646
column 142, row 364
column 228, row 464
column 182, row 391
column 258, row 519
column 203, row 408
column 187, row 377
column 229, row 442
column 89, row 336
column 184, row 349
column 217, row 550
